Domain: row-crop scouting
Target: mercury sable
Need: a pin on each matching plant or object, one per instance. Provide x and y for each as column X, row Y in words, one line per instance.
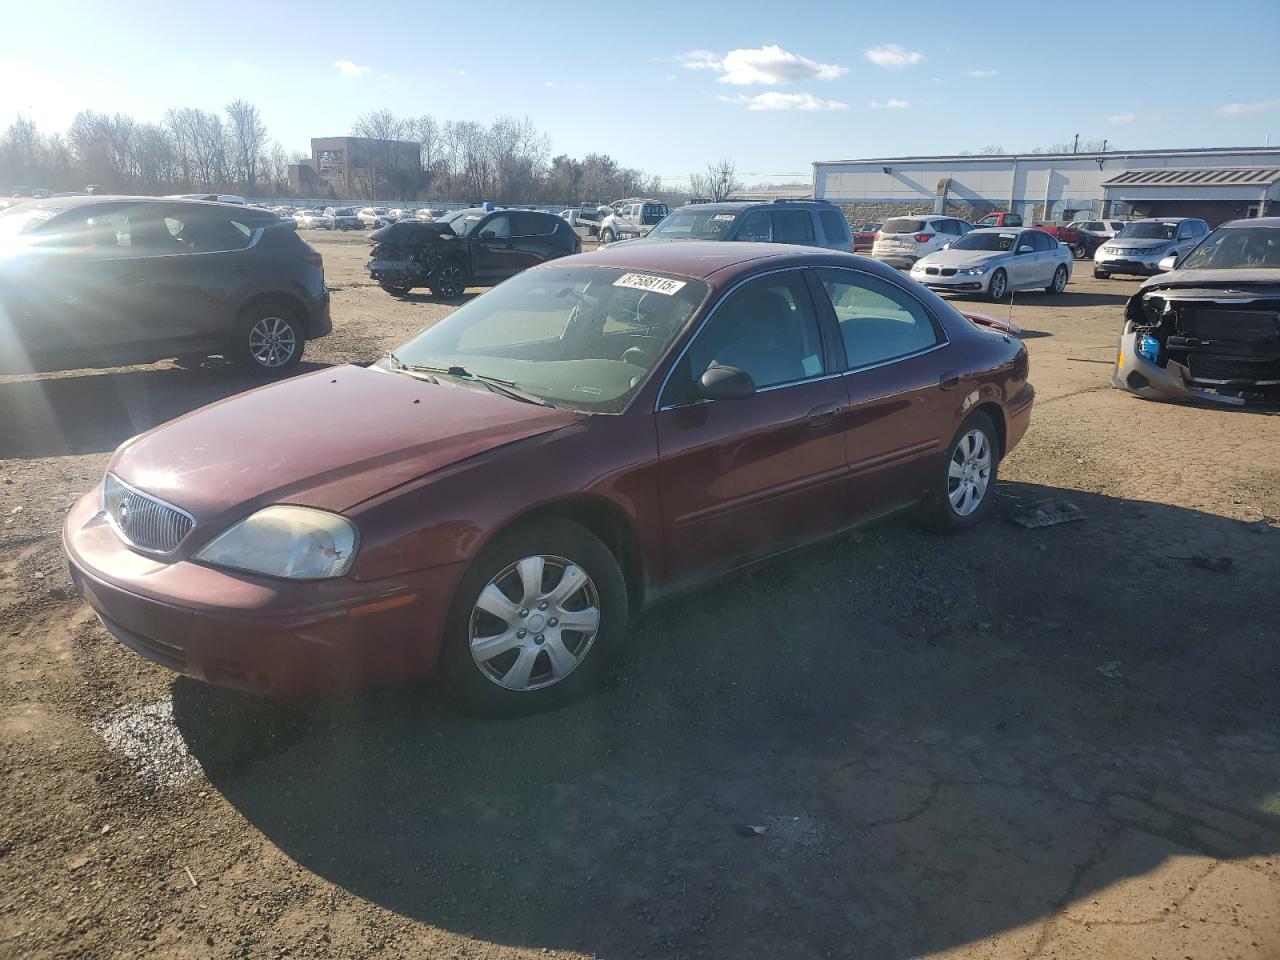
column 996, row 260
column 495, row 499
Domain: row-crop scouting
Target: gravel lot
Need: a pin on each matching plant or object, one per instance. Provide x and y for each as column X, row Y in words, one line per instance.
column 1052, row 743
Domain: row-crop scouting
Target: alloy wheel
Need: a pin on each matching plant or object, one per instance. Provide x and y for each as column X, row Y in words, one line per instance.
column 1059, row 279
column 998, row 283
column 969, row 472
column 451, row 281
column 534, row 623
column 272, row 342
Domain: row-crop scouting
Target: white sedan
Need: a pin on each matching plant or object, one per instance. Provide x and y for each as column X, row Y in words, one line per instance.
column 996, row 260
column 313, row 220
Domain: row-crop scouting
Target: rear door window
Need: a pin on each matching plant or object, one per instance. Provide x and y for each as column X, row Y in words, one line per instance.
column 757, row 226
column 531, row 224
column 878, row 321
column 792, row 226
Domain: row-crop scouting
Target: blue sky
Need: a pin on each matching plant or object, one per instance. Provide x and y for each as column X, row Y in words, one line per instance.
column 669, row 86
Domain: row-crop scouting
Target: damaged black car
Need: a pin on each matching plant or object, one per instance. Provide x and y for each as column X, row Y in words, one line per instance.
column 1209, row 329
column 470, row 248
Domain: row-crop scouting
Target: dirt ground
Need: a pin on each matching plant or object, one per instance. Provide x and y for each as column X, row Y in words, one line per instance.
column 1010, row 744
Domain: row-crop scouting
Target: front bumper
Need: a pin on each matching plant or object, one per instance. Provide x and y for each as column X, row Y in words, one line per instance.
column 953, row 284
column 1138, row 375
column 258, row 634
column 1136, row 265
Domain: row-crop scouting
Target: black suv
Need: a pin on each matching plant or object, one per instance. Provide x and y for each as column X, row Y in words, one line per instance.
column 104, row 281
column 812, row 223
column 469, row 248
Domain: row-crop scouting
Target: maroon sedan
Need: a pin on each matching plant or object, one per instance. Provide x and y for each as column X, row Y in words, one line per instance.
column 497, row 497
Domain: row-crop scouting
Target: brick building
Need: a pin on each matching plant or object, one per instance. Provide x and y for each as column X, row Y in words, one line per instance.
column 360, row 168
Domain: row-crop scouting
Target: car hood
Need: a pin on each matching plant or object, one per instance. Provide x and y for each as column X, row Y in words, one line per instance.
column 330, row 439
column 1135, row 243
column 962, row 258
column 1248, row 281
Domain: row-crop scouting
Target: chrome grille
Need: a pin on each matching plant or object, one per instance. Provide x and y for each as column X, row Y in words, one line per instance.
column 142, row 520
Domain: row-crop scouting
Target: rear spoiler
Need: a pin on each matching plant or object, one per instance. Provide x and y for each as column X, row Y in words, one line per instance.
column 991, row 323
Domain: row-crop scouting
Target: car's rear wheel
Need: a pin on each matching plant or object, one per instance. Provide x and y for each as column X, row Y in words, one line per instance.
column 1100, row 274
column 268, row 339
column 998, row 285
column 606, row 236
column 1079, row 251
column 966, row 481
column 536, row 622
column 1059, row 280
column 450, row 281
column 395, row 289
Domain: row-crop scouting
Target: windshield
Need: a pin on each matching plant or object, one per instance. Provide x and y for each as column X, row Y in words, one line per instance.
column 985, row 241
column 463, row 221
column 1239, row 248
column 903, row 225
column 695, row 225
column 1148, row 230
column 21, row 219
column 585, row 338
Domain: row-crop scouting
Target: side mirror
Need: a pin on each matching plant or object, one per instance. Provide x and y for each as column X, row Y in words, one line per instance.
column 1168, row 263
column 488, row 235
column 725, row 383
column 947, row 245
column 1026, row 249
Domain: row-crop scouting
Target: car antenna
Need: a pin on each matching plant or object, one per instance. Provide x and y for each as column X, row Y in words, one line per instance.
column 1012, row 293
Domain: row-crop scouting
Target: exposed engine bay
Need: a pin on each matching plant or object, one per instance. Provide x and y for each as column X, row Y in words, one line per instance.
column 405, row 254
column 1212, row 341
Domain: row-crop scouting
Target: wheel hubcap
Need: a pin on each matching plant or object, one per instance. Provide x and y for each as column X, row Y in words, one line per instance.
column 451, row 278
column 272, row 342
column 1060, row 279
column 534, row 623
column 997, row 287
column 969, row 472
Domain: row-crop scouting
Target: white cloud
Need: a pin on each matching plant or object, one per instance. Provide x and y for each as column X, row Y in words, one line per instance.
column 1122, row 118
column 984, row 73
column 893, row 56
column 1255, row 106
column 700, row 60
column 767, row 66
column 773, row 100
column 888, row 104
column 349, row 69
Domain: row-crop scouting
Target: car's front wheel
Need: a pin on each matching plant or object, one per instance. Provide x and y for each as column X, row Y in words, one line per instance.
column 536, row 621
column 1100, row 274
column 450, row 281
column 268, row 339
column 965, row 484
column 998, row 285
column 1059, row 282
column 606, row 236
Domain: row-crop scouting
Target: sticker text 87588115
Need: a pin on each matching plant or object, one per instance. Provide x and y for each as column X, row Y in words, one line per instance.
column 643, row 281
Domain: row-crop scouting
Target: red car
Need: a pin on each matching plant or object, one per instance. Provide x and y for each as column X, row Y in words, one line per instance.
column 864, row 236
column 495, row 499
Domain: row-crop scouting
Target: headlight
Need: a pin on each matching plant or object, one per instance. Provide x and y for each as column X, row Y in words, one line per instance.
column 971, row 272
column 284, row 541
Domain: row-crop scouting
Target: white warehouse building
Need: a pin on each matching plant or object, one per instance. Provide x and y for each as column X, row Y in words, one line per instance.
column 1217, row 184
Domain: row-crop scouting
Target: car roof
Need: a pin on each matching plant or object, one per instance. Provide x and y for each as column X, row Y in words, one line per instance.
column 715, row 261
column 740, row 205
column 61, row 204
column 1163, row 219
column 1000, row 229
column 1251, row 222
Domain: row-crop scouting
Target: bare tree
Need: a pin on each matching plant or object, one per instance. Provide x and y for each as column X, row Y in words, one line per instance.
column 992, row 149
column 718, row 183
column 380, row 125
column 248, row 136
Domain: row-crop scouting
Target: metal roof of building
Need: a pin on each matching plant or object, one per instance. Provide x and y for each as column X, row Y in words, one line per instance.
column 1196, row 177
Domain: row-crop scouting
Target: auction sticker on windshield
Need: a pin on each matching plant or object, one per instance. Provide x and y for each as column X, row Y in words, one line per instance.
column 643, row 281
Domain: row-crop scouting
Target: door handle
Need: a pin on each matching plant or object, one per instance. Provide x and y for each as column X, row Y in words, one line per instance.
column 950, row 380
column 821, row 416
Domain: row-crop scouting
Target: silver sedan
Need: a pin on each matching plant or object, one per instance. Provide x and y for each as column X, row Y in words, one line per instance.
column 996, row 260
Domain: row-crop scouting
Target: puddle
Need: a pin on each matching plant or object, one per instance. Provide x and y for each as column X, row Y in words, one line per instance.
column 145, row 734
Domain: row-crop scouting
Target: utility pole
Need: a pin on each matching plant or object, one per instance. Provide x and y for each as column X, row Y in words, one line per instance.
column 1075, row 146
column 1104, row 145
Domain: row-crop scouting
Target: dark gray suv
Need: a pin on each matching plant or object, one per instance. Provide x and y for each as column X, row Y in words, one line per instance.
column 811, row 223
column 104, row 281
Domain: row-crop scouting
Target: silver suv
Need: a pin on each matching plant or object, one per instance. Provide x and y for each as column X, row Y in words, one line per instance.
column 904, row 240
column 811, row 223
column 1138, row 249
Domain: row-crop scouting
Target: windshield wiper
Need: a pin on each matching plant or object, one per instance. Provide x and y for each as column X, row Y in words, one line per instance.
column 507, row 388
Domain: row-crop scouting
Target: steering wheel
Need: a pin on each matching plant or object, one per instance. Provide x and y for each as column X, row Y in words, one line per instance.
column 636, row 356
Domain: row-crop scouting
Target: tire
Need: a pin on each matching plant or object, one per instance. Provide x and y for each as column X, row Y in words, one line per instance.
column 1059, row 280
column 998, row 286
column 606, row 236
column 496, row 603
column 1100, row 274
column 449, row 281
column 396, row 290
column 268, row 339
column 962, row 469
column 1079, row 251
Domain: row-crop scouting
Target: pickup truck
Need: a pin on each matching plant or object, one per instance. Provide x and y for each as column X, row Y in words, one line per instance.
column 1060, row 231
